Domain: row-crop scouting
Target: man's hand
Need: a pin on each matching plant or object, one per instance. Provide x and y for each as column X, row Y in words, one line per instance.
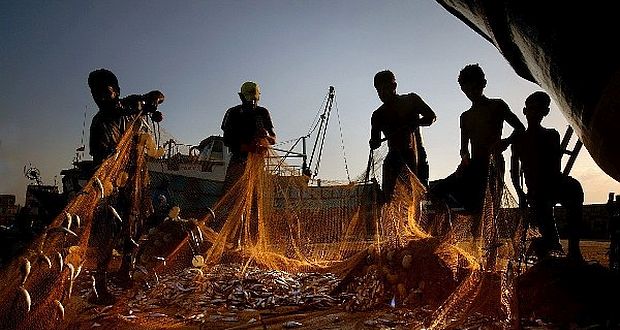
column 265, row 139
column 500, row 146
column 374, row 144
column 460, row 170
column 157, row 116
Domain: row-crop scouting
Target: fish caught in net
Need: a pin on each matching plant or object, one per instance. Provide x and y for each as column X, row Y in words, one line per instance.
column 271, row 241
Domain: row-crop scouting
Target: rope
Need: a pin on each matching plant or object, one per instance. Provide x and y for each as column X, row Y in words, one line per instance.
column 318, row 115
column 318, row 160
column 344, row 153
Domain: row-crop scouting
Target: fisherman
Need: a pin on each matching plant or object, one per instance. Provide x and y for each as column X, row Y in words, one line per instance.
column 115, row 114
column 399, row 119
column 107, row 128
column 481, row 127
column 247, row 129
column 537, row 151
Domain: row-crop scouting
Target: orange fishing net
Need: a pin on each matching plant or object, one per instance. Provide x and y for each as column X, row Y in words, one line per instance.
column 273, row 240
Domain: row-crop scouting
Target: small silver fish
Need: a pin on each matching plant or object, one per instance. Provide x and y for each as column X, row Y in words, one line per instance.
column 47, row 260
column 101, row 189
column 60, row 261
column 94, row 287
column 71, row 272
column 78, row 221
column 162, row 259
column 27, row 296
column 61, row 309
column 26, row 270
column 69, row 220
column 77, row 272
column 62, row 229
column 116, row 215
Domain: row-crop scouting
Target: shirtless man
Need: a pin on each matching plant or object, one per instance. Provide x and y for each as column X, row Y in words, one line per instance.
column 537, row 151
column 399, row 119
column 481, row 127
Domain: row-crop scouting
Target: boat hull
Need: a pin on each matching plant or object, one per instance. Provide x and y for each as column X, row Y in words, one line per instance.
column 570, row 52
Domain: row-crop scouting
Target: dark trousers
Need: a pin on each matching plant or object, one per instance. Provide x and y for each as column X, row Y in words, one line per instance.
column 399, row 163
column 568, row 192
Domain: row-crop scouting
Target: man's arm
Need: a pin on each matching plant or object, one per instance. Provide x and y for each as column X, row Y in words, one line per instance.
column 465, row 156
column 375, row 132
column 517, row 126
column 99, row 141
column 515, row 175
column 428, row 115
column 226, row 128
column 513, row 121
column 269, row 134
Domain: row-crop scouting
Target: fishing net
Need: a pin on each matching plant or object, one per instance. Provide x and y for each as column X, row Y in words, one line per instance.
column 272, row 239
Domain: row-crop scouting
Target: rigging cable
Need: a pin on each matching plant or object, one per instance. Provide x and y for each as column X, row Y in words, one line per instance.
column 318, row 115
column 328, row 108
column 344, row 153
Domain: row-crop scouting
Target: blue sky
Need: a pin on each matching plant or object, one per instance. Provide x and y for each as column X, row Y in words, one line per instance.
column 199, row 52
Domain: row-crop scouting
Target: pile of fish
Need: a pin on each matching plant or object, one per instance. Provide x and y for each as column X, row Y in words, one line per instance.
column 220, row 292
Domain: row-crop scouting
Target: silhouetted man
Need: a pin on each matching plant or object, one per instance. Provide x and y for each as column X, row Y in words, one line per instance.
column 481, row 128
column 115, row 114
column 108, row 126
column 537, row 151
column 247, row 129
column 399, row 119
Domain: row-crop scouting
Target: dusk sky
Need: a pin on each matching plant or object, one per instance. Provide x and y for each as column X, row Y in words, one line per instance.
column 198, row 53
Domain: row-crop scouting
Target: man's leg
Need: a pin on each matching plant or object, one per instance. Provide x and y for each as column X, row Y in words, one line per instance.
column 570, row 195
column 423, row 168
column 543, row 213
column 234, row 171
column 102, row 244
column 390, row 175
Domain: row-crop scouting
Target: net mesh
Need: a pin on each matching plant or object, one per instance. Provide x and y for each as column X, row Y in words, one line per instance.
column 409, row 251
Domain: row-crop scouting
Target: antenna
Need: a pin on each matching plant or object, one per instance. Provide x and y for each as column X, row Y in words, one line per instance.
column 79, row 151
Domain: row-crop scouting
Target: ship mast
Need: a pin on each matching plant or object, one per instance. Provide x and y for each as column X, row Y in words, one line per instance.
column 320, row 136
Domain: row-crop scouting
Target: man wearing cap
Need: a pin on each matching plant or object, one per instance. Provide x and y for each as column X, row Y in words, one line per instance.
column 247, row 129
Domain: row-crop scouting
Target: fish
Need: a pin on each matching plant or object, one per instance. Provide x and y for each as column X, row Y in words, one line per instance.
column 100, row 185
column 27, row 296
column 116, row 215
column 60, row 261
column 72, row 271
column 47, row 259
column 77, row 272
column 162, row 259
column 69, row 220
column 62, row 230
column 94, row 287
column 61, row 309
column 26, row 270
column 78, row 221
column 200, row 236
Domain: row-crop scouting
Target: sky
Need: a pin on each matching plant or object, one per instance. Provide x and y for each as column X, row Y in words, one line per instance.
column 198, row 53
